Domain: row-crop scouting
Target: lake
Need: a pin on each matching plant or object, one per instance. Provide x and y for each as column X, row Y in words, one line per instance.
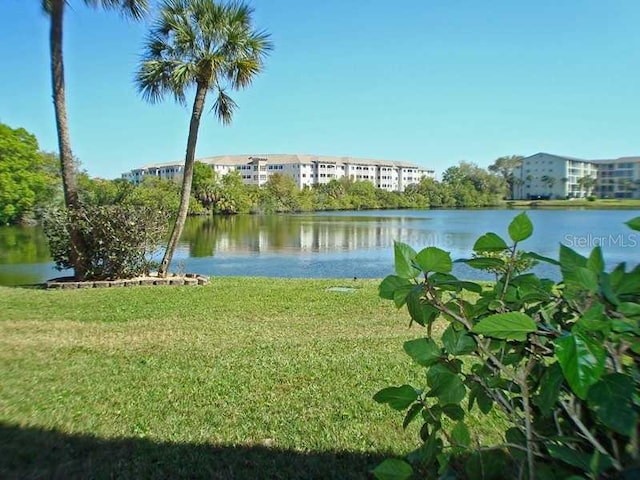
column 346, row 244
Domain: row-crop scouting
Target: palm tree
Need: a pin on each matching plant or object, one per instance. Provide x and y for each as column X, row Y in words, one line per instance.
column 586, row 183
column 55, row 8
column 517, row 187
column 549, row 181
column 505, row 167
column 627, row 187
column 207, row 46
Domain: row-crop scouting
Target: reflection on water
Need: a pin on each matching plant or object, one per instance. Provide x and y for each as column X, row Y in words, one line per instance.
column 345, row 244
column 24, row 256
column 23, row 245
column 295, row 234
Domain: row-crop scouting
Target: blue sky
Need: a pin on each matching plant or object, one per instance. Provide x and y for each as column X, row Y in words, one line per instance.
column 431, row 82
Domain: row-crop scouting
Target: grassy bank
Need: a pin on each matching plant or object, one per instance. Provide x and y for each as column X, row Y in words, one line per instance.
column 582, row 203
column 244, row 378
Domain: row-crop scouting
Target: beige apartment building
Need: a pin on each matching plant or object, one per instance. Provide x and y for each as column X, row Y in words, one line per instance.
column 306, row 170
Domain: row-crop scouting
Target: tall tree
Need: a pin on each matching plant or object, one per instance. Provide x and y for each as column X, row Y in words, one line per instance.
column 587, row 183
column 504, row 167
column 55, row 8
column 204, row 46
column 549, row 181
column 26, row 177
column 627, row 187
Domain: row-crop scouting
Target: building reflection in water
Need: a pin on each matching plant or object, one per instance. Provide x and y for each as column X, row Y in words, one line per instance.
column 294, row 234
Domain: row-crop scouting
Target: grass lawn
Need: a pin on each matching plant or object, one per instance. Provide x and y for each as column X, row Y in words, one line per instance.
column 244, row 378
column 604, row 203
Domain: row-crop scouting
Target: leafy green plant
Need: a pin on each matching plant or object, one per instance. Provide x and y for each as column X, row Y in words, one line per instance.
column 119, row 240
column 558, row 361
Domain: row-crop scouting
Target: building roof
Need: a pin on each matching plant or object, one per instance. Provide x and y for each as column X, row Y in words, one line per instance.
column 284, row 158
column 619, row 159
column 563, row 157
column 633, row 159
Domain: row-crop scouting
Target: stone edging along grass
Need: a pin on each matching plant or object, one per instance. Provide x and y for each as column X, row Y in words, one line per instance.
column 68, row 282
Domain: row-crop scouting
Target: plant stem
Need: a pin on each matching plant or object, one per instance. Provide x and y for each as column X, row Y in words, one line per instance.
column 527, row 422
column 507, row 276
column 587, row 434
column 483, row 346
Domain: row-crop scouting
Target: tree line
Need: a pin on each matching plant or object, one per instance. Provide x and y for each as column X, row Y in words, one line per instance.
column 30, row 183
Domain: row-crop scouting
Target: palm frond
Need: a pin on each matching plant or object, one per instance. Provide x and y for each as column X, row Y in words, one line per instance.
column 224, row 107
column 242, row 72
column 201, row 42
column 135, row 9
column 46, row 6
column 154, row 81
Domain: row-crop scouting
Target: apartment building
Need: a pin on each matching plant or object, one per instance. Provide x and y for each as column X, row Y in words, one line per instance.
column 618, row 178
column 545, row 175
column 306, row 170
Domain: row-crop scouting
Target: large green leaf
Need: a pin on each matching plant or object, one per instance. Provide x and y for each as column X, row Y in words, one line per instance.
column 412, row 413
column 433, row 259
column 391, row 283
column 393, row 469
column 423, row 351
column 460, row 435
column 403, row 259
column 634, row 223
column 542, row 258
column 550, row 387
column 581, row 460
column 445, row 385
column 630, row 284
column 485, row 402
column 458, row 343
column 482, row 263
column 584, row 278
column 421, row 312
column 607, row 285
column 450, row 282
column 626, row 325
column 611, row 399
column 454, row 412
column 488, row 465
column 400, row 295
column 594, row 320
column 506, row 326
column 595, row 262
column 397, row 398
column 570, row 262
column 489, row 242
column 570, row 258
column 617, row 274
column 520, row 228
column 629, row 309
column 582, row 361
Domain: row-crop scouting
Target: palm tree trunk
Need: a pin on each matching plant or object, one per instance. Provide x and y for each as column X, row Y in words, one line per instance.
column 187, row 178
column 64, row 142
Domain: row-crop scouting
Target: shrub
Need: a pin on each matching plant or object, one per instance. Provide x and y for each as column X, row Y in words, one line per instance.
column 120, row 240
column 592, row 198
column 559, row 361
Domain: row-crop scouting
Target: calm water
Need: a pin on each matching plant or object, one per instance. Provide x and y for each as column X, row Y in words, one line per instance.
column 345, row 244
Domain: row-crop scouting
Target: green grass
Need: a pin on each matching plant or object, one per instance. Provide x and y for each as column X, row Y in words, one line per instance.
column 244, row 378
column 582, row 203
